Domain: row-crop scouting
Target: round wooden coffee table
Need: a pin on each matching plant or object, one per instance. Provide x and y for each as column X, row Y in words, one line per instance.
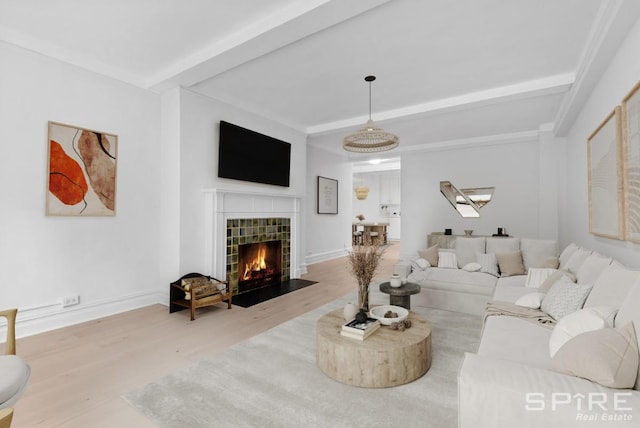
column 386, row 358
column 400, row 296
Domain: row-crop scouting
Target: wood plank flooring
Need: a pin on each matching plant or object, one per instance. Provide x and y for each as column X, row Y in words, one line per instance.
column 79, row 373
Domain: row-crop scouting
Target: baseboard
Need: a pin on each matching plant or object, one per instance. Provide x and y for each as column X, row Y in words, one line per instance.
column 45, row 318
column 323, row 257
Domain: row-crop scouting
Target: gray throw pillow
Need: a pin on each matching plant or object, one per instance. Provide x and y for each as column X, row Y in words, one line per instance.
column 565, row 298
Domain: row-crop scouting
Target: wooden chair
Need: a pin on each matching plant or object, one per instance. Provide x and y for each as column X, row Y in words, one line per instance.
column 6, row 416
column 14, row 372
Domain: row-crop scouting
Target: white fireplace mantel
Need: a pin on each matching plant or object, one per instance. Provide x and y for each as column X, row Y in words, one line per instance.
column 221, row 205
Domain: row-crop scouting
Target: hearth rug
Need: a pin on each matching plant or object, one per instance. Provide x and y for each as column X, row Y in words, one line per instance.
column 271, row 380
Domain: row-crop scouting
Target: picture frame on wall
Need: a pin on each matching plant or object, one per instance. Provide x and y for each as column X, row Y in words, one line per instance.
column 81, row 179
column 631, row 160
column 327, row 195
column 605, row 170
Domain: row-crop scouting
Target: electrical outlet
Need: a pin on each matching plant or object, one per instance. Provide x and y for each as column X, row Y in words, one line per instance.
column 70, row 300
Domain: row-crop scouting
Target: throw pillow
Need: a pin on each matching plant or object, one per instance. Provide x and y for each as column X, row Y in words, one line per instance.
column 536, row 251
column 510, row 263
column 430, row 254
column 551, row 263
column 531, row 300
column 608, row 356
column 629, row 312
column 466, row 249
column 553, row 278
column 447, row 260
column 564, row 298
column 537, row 276
column 582, row 321
column 419, row 264
column 472, row 267
column 488, row 263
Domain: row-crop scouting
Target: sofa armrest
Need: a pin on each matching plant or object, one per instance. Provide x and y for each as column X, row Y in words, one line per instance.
column 500, row 393
column 403, row 269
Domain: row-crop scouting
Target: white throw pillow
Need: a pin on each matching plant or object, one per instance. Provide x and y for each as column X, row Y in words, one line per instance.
column 536, row 276
column 472, row 267
column 531, row 300
column 488, row 263
column 582, row 321
column 608, row 356
column 447, row 260
column 564, row 298
column 421, row 264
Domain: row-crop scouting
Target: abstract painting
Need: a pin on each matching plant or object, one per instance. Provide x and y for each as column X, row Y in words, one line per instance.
column 631, row 156
column 82, row 172
column 606, row 216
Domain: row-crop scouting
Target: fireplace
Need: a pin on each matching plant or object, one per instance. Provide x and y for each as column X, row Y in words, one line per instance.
column 246, row 235
column 259, row 265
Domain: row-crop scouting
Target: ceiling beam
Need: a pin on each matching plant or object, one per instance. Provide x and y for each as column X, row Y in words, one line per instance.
column 282, row 28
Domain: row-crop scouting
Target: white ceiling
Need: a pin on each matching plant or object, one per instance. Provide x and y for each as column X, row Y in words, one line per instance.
column 468, row 67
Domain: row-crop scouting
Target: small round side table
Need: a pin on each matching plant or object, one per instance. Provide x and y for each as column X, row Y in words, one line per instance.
column 400, row 296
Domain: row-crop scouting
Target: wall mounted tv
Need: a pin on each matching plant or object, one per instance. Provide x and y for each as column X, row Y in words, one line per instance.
column 250, row 156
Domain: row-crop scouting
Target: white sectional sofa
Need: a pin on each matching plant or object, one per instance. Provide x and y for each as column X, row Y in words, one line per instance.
column 455, row 289
column 512, row 380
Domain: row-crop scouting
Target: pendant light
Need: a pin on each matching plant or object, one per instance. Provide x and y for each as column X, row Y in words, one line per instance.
column 370, row 139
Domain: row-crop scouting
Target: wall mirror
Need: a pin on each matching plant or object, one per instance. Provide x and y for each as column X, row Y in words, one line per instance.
column 467, row 202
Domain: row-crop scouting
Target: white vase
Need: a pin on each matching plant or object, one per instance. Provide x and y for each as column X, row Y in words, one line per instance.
column 350, row 311
column 395, row 281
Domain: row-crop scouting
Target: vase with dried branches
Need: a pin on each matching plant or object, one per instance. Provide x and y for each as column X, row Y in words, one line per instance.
column 363, row 262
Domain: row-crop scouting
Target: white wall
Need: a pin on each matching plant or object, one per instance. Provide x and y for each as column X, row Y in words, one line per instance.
column 199, row 129
column 512, row 168
column 621, row 75
column 111, row 262
column 328, row 236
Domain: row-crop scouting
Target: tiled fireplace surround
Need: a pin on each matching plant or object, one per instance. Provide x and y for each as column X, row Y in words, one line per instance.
column 235, row 217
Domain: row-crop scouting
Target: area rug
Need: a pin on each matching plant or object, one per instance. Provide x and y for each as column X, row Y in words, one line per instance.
column 272, row 380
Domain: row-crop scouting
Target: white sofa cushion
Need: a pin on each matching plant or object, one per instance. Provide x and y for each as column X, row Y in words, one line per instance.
column 458, row 280
column 608, row 356
column 502, row 245
column 575, row 261
column 582, row 321
column 466, row 249
column 592, row 268
column 488, row 263
column 516, row 280
column 447, row 260
column 630, row 312
column 535, row 252
column 612, row 286
column 564, row 298
column 516, row 339
column 566, row 255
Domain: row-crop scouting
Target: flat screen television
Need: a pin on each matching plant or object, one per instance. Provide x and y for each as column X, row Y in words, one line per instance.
column 250, row 156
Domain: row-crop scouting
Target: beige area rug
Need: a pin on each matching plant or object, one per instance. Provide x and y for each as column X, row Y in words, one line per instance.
column 272, row 380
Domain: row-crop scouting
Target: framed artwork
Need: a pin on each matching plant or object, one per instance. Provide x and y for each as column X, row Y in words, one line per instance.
column 327, row 195
column 631, row 160
column 82, row 172
column 606, row 208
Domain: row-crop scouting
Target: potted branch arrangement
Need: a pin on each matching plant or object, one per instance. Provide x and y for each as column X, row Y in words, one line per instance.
column 363, row 262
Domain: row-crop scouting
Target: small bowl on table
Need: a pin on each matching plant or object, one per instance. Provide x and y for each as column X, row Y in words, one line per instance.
column 379, row 313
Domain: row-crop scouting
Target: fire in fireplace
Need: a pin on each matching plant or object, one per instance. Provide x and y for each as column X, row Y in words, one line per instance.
column 259, row 265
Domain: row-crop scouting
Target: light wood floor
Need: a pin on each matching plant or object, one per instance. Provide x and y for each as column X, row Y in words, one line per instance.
column 79, row 373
